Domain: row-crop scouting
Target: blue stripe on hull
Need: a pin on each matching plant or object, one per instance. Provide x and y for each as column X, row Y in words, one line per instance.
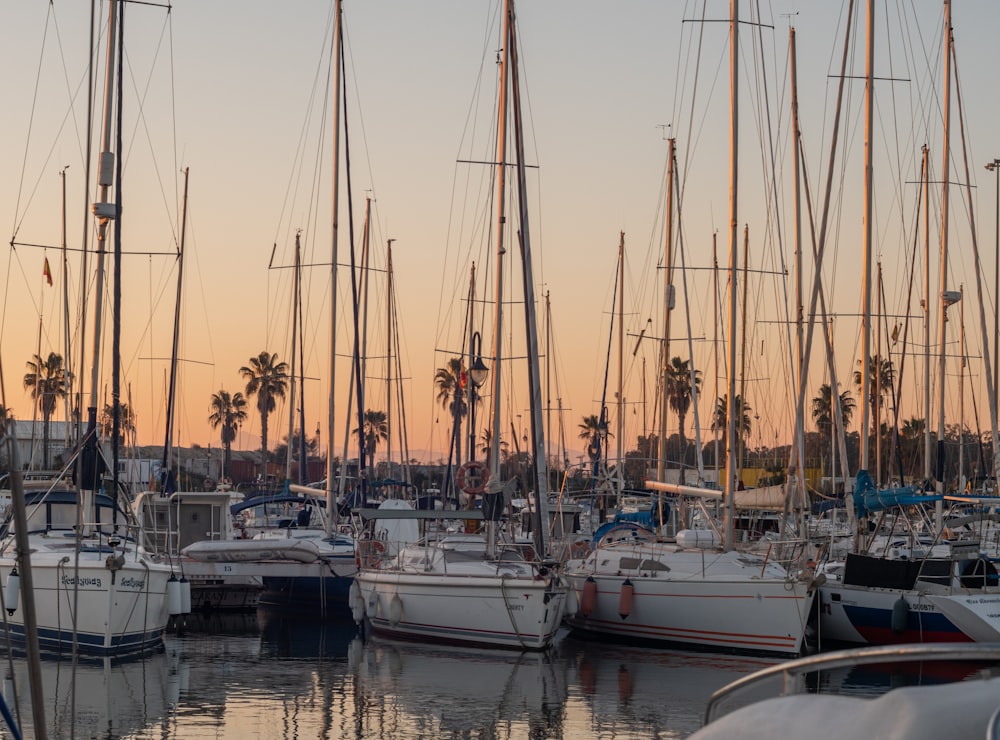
column 875, row 625
column 52, row 640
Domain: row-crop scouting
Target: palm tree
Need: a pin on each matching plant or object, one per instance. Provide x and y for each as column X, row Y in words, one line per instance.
column 911, row 439
column 47, row 381
column 823, row 409
column 679, row 391
column 229, row 412
column 881, row 376
column 486, row 445
column 451, row 381
column 126, row 421
column 376, row 427
column 720, row 417
column 266, row 379
column 592, row 430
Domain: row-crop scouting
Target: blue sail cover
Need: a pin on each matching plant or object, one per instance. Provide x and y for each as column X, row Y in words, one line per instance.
column 869, row 499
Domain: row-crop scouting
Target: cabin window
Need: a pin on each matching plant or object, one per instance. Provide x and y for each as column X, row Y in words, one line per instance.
column 642, row 564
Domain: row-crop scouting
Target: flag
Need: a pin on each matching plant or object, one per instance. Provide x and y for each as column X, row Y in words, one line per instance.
column 47, row 272
column 463, row 379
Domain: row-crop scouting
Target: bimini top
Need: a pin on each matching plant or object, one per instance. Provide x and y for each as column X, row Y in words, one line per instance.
column 281, row 498
column 869, row 499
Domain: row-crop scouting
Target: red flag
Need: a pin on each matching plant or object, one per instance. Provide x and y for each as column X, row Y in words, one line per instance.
column 463, row 379
column 47, row 272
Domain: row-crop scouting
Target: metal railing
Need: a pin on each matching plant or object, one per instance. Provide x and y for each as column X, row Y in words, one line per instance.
column 793, row 672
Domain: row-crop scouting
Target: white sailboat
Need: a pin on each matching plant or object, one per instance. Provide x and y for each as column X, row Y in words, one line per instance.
column 94, row 588
column 694, row 589
column 893, row 589
column 479, row 588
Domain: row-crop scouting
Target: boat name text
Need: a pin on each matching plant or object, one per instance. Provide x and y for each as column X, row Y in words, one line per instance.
column 82, row 582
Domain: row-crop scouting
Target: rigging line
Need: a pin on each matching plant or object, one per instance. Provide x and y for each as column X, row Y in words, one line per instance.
column 694, row 85
column 469, row 130
column 359, row 380
column 356, row 94
column 897, row 400
column 774, row 194
column 895, row 383
column 604, row 392
column 694, row 379
column 990, row 370
column 142, row 122
column 31, row 117
column 324, row 63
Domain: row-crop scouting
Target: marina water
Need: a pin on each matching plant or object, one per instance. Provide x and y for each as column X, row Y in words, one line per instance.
column 272, row 676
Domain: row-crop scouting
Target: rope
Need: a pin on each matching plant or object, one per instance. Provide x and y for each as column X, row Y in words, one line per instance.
column 506, row 602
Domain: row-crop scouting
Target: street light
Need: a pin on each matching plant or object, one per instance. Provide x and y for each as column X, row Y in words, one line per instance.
column 477, row 374
column 994, row 166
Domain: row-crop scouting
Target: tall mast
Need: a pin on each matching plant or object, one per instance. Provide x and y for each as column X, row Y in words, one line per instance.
column 335, row 196
column 730, row 487
column 668, row 305
column 945, row 296
column 866, row 379
column 363, row 347
column 470, row 391
column 961, row 387
column 530, row 323
column 927, row 315
column 500, row 194
column 388, row 355
column 799, row 319
column 105, row 212
column 619, row 413
column 548, row 378
column 293, row 369
column 67, row 356
column 175, row 346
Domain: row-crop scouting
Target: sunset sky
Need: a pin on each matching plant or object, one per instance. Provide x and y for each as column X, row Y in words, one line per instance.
column 238, row 92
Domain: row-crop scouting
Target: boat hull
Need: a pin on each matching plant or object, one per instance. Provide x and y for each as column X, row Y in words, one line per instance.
column 519, row 613
column 870, row 616
column 704, row 600
column 320, row 596
column 118, row 612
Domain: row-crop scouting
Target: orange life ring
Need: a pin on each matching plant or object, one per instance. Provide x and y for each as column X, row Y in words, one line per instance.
column 368, row 553
column 472, row 477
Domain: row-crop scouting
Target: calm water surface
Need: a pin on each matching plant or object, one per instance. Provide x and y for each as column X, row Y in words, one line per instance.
column 269, row 676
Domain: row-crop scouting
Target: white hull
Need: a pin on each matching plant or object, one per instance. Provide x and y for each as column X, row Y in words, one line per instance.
column 483, row 610
column 117, row 612
column 705, row 599
column 865, row 616
column 977, row 615
column 450, row 592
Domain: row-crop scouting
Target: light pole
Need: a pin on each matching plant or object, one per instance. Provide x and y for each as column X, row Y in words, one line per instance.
column 477, row 375
column 994, row 166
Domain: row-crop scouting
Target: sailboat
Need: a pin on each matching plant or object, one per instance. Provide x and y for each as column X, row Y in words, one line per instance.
column 89, row 585
column 893, row 589
column 481, row 588
column 694, row 589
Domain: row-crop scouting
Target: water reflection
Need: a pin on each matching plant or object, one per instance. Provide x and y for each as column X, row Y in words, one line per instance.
column 647, row 692
column 270, row 676
column 876, row 679
column 449, row 692
column 99, row 697
column 285, row 635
